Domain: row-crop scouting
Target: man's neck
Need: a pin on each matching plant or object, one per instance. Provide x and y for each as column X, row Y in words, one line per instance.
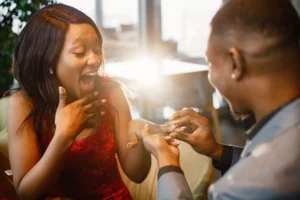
column 272, row 100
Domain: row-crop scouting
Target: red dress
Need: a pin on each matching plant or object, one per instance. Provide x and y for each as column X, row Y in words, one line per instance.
column 90, row 170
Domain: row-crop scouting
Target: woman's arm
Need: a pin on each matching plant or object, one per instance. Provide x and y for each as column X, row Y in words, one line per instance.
column 135, row 162
column 134, row 159
column 33, row 174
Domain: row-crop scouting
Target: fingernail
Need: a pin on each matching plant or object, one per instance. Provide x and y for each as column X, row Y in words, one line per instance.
column 102, row 113
column 96, row 93
column 61, row 90
column 103, row 100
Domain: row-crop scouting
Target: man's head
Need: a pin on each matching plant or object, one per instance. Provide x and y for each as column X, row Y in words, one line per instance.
column 253, row 46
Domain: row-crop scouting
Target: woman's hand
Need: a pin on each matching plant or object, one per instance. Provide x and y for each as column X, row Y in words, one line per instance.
column 163, row 148
column 70, row 119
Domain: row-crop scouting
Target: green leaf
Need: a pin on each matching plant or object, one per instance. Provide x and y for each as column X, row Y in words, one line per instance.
column 8, row 37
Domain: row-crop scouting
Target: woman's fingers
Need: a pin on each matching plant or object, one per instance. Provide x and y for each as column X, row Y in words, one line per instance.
column 180, row 129
column 172, row 141
column 145, row 131
column 92, row 107
column 167, row 127
column 87, row 99
column 133, row 143
column 89, row 116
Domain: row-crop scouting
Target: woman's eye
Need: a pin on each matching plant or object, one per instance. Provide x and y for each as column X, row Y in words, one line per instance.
column 79, row 54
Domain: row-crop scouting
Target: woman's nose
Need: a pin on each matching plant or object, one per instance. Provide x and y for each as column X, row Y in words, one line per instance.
column 94, row 60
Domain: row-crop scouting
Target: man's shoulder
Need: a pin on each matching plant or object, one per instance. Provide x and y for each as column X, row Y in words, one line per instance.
column 270, row 170
column 278, row 154
column 287, row 141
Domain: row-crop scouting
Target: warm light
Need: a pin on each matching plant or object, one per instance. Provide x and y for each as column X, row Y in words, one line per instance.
column 146, row 71
column 150, row 72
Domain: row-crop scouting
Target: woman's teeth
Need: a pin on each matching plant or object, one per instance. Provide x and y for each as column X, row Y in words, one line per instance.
column 88, row 78
column 91, row 74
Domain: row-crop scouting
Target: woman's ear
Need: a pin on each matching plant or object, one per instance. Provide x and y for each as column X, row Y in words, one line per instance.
column 238, row 64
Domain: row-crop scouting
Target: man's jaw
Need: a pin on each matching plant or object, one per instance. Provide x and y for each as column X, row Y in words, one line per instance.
column 240, row 117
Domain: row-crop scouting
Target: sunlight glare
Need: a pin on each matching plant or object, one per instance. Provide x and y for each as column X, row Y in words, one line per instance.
column 146, row 71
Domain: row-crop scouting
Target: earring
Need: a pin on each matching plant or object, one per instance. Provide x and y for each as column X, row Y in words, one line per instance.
column 233, row 76
column 51, row 71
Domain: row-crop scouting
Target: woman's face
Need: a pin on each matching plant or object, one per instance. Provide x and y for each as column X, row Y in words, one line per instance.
column 79, row 60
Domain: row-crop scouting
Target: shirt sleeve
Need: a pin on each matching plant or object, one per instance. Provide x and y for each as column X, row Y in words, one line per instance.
column 172, row 184
column 230, row 155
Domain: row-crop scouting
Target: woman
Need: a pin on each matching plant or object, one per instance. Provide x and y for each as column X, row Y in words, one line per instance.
column 63, row 140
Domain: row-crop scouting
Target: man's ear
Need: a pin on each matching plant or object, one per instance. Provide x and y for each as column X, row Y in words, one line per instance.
column 238, row 67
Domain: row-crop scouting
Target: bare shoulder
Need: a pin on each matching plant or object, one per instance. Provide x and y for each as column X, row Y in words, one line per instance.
column 118, row 97
column 117, row 92
column 19, row 99
column 19, row 107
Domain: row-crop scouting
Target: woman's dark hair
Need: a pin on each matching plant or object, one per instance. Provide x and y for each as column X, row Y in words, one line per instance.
column 38, row 48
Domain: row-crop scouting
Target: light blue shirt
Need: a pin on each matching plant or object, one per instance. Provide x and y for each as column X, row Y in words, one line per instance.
column 269, row 167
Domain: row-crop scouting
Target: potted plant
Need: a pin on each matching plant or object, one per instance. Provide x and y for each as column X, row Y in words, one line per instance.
column 13, row 16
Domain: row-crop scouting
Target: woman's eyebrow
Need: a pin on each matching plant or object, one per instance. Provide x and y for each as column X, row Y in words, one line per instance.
column 78, row 40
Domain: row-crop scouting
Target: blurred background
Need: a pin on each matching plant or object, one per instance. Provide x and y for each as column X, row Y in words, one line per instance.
column 155, row 47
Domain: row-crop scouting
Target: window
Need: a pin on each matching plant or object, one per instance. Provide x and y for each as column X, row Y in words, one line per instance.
column 187, row 23
column 86, row 6
column 117, row 12
column 118, row 21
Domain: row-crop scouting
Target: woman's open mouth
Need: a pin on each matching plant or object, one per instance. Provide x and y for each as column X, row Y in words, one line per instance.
column 88, row 82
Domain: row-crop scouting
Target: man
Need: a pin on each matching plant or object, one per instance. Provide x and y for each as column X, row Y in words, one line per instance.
column 254, row 57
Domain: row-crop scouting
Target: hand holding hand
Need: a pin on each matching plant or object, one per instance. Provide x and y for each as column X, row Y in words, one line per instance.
column 202, row 139
column 163, row 148
column 137, row 125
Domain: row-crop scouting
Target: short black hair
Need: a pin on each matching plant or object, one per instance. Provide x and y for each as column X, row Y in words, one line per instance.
column 275, row 19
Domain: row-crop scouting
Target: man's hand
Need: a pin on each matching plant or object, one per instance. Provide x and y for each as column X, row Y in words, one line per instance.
column 163, row 148
column 202, row 139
